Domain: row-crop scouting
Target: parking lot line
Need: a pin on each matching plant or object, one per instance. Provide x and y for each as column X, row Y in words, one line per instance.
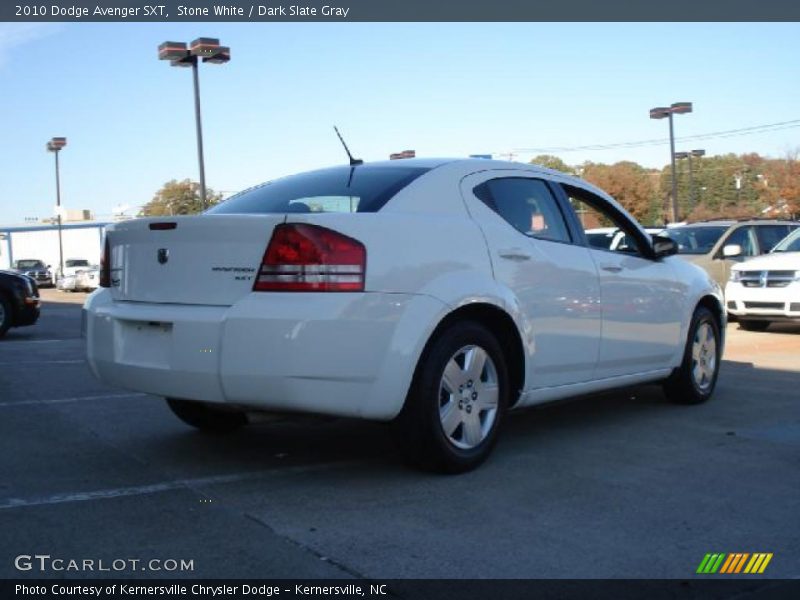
column 72, row 399
column 17, row 363
column 8, row 342
column 165, row 486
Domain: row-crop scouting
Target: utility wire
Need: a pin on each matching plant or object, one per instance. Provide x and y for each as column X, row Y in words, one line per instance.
column 661, row 141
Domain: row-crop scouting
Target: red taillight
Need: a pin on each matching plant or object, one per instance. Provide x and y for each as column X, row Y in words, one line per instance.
column 105, row 266
column 309, row 258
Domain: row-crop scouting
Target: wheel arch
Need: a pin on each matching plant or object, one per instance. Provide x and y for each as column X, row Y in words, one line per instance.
column 717, row 307
column 499, row 323
column 713, row 304
column 8, row 296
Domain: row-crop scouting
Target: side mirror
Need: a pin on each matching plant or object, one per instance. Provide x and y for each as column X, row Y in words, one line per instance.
column 664, row 246
column 732, row 250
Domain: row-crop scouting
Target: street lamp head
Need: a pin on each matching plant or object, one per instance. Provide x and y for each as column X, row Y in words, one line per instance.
column 680, row 155
column 698, row 152
column 57, row 143
column 222, row 55
column 205, row 47
column 172, row 51
column 659, row 112
column 680, row 108
column 186, row 61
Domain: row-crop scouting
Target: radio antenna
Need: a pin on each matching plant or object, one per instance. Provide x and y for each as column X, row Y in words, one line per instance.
column 353, row 161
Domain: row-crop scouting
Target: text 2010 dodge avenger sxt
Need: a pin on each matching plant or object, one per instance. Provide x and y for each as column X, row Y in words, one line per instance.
column 437, row 294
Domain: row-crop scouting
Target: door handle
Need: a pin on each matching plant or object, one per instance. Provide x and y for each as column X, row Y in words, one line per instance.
column 611, row 268
column 515, row 254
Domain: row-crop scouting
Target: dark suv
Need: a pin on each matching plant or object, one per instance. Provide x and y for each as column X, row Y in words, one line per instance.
column 35, row 268
column 718, row 245
column 19, row 301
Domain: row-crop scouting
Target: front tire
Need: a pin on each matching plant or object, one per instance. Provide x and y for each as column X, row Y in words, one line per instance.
column 694, row 381
column 753, row 325
column 206, row 416
column 457, row 401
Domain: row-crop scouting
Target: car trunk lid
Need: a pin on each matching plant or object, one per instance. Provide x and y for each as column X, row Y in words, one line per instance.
column 206, row 259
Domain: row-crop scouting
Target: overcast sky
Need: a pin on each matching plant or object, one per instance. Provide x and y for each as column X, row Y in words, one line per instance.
column 441, row 89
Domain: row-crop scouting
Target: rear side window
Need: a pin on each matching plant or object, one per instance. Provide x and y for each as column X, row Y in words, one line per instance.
column 527, row 205
column 790, row 243
column 363, row 188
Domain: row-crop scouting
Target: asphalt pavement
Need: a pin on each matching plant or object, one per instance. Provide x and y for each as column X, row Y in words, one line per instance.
column 616, row 485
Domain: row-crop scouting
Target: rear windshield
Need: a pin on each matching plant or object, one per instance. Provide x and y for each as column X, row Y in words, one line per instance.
column 29, row 264
column 695, row 240
column 363, row 188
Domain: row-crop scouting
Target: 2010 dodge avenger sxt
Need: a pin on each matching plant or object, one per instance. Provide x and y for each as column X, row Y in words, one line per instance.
column 437, row 294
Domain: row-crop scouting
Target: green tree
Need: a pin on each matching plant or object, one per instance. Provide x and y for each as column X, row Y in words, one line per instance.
column 553, row 162
column 178, row 198
column 780, row 186
column 725, row 186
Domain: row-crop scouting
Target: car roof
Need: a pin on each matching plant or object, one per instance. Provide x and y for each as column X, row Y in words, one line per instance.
column 465, row 166
column 472, row 164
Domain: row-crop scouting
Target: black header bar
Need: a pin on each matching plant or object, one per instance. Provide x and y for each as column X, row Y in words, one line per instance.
column 400, row 10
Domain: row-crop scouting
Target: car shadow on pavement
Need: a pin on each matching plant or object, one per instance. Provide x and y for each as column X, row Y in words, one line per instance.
column 628, row 415
column 783, row 328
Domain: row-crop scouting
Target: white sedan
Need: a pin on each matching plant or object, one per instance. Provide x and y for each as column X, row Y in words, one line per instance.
column 436, row 294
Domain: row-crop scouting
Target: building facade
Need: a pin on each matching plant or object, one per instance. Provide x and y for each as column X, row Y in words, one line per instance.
column 80, row 240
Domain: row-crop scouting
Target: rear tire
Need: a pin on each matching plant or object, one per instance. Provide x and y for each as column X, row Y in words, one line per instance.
column 5, row 316
column 206, row 416
column 457, row 401
column 753, row 325
column 694, row 381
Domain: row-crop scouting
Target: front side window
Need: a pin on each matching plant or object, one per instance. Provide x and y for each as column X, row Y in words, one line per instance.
column 744, row 237
column 527, row 205
column 364, row 188
column 603, row 227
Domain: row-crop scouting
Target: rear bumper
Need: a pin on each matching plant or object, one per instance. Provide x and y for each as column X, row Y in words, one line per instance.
column 340, row 354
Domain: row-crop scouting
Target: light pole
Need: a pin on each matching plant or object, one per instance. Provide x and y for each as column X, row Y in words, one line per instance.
column 209, row 50
column 678, row 108
column 55, row 145
column 738, row 177
column 688, row 156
